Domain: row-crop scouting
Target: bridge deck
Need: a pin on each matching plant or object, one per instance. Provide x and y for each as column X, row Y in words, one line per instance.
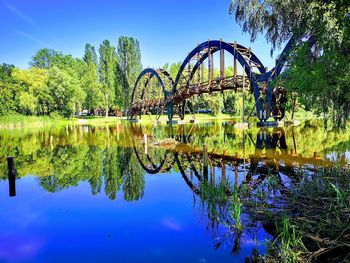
column 187, row 91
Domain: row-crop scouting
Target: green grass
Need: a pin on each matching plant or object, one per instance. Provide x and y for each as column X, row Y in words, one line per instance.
column 22, row 121
column 237, row 210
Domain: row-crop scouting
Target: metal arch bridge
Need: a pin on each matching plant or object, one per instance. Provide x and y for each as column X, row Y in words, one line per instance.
column 156, row 92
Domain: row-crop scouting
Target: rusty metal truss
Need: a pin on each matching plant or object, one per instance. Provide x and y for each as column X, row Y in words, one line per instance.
column 156, row 93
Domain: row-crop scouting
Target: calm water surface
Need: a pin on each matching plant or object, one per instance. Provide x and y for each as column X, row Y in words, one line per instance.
column 133, row 193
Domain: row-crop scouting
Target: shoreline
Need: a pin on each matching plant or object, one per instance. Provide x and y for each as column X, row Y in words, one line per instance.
column 11, row 122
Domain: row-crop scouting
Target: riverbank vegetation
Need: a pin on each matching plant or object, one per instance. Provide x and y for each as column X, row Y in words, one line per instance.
column 318, row 69
column 306, row 211
column 309, row 217
column 59, row 84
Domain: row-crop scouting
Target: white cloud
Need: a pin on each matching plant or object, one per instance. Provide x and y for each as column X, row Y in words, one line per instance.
column 20, row 14
column 34, row 39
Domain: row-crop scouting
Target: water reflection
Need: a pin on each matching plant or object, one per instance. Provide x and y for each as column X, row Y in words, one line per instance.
column 270, row 157
column 115, row 160
column 272, row 160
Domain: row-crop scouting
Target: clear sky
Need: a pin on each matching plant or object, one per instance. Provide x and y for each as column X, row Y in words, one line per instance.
column 167, row 29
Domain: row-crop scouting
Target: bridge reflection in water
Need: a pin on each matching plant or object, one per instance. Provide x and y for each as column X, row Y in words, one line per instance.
column 272, row 161
column 271, row 157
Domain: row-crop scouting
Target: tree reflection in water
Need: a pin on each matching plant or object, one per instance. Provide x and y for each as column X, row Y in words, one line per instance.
column 116, row 159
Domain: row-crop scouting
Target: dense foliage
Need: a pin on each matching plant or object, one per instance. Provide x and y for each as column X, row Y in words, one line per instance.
column 319, row 73
column 57, row 83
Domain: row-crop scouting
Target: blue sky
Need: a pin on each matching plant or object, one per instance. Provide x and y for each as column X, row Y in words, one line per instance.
column 167, row 29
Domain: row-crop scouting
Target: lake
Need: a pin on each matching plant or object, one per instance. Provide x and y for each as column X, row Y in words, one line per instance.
column 149, row 193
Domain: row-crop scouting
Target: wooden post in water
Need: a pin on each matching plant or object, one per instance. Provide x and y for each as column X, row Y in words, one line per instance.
column 11, row 175
column 205, row 162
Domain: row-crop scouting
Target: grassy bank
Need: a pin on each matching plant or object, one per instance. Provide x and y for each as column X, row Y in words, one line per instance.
column 21, row 121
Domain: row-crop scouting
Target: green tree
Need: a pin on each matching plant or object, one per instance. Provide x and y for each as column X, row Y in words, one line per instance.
column 129, row 67
column 76, row 69
column 94, row 96
column 90, row 54
column 279, row 20
column 33, row 94
column 172, row 69
column 7, row 90
column 108, row 60
column 43, row 58
column 320, row 74
column 62, row 89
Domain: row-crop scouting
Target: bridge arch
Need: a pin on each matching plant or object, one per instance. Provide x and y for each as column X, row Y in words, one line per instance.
column 242, row 55
column 174, row 93
column 165, row 85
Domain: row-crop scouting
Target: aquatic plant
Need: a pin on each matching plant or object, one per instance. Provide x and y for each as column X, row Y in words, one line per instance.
column 236, row 210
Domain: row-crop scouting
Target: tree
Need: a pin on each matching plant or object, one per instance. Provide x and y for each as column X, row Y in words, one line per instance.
column 76, row 69
column 90, row 55
column 94, row 96
column 43, row 58
column 33, row 94
column 173, row 69
column 62, row 89
column 129, row 67
column 80, row 82
column 323, row 85
column 279, row 20
column 108, row 60
column 7, row 90
column 320, row 74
